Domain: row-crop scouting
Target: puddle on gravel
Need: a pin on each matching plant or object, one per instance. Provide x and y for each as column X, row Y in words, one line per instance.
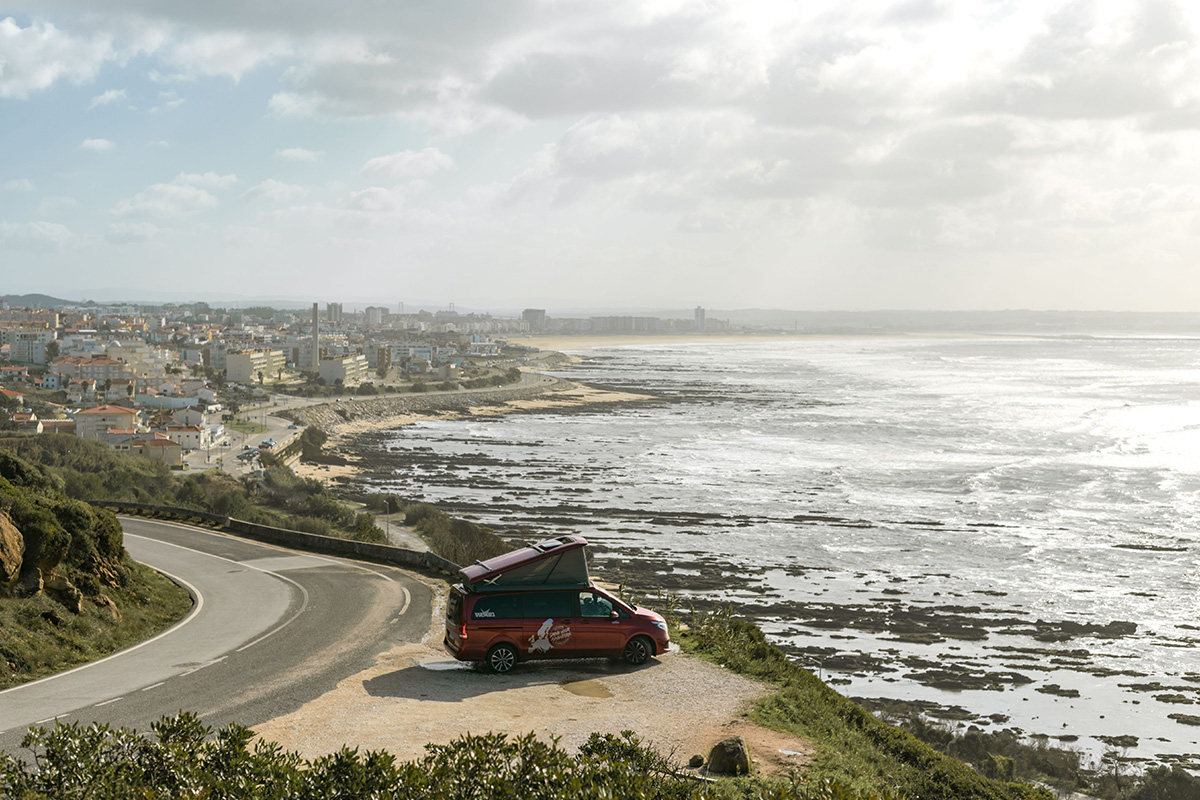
column 445, row 666
column 587, row 689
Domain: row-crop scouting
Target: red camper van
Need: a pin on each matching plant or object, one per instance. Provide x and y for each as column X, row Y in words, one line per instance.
column 538, row 602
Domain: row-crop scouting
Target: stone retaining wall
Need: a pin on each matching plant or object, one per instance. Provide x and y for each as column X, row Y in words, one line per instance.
column 298, row 539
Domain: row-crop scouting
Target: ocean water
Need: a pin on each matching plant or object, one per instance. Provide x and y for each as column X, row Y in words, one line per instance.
column 1008, row 525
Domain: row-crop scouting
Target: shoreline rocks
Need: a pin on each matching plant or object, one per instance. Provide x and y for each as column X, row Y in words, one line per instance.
column 331, row 416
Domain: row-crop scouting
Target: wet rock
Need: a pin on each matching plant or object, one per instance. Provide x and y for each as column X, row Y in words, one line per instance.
column 1123, row 741
column 730, row 757
column 1185, row 719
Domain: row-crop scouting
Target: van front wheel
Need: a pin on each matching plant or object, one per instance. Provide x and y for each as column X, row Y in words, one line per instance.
column 637, row 650
column 501, row 658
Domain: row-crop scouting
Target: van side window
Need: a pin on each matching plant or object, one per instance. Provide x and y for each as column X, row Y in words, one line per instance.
column 548, row 605
column 505, row 606
column 593, row 605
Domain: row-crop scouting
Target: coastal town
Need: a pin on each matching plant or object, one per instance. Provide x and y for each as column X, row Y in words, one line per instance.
column 182, row 383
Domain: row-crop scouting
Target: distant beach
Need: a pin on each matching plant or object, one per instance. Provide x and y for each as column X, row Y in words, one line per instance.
column 346, row 420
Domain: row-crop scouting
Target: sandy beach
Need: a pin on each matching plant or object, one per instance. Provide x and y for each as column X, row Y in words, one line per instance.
column 561, row 343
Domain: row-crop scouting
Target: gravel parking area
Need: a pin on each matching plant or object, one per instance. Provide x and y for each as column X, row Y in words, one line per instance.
column 417, row 694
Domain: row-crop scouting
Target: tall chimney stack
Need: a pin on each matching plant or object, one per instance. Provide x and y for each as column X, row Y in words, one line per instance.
column 316, row 359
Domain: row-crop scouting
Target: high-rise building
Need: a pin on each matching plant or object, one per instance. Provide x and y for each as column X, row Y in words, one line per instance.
column 333, row 312
column 700, row 321
column 536, row 317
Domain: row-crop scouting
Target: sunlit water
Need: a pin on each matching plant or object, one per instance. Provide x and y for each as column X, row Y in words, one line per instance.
column 1053, row 479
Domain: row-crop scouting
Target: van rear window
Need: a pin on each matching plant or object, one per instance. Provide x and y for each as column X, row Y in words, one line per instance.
column 454, row 606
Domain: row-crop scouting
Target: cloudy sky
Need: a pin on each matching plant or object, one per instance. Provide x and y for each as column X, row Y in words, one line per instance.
column 575, row 154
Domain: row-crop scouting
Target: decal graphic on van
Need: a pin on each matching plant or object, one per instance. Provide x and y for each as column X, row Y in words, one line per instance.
column 540, row 641
column 548, row 636
column 560, row 635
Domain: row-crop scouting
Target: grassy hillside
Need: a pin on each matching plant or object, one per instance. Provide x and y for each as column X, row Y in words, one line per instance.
column 87, row 470
column 69, row 593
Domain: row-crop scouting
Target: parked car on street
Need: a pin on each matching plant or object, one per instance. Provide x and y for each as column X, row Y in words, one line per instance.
column 538, row 602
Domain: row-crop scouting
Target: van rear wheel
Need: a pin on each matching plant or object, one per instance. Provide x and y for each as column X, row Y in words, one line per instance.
column 637, row 650
column 501, row 658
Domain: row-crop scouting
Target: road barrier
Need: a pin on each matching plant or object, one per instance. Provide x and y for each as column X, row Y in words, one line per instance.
column 399, row 556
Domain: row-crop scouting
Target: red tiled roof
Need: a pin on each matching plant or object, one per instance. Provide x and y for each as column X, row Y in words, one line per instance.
column 107, row 409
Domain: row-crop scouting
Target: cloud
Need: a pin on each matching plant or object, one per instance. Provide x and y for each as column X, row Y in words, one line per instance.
column 169, row 101
column 290, row 104
column 409, row 163
column 274, row 191
column 41, row 237
column 375, row 199
column 827, row 133
column 228, row 53
column 296, row 154
column 208, row 179
column 19, row 185
column 185, row 196
column 111, row 96
column 97, row 145
column 131, row 232
column 36, row 57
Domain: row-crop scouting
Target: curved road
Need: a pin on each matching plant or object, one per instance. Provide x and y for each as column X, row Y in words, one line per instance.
column 270, row 630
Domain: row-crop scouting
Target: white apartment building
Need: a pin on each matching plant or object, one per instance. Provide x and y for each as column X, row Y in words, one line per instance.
column 244, row 367
column 351, row 370
column 96, row 369
column 26, row 345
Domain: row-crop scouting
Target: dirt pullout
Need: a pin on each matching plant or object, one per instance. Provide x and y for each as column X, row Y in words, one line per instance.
column 416, row 694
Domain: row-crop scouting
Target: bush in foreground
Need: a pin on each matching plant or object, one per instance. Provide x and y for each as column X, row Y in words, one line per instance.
column 181, row 759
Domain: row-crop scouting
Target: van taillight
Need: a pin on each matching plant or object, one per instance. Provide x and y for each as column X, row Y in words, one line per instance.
column 462, row 634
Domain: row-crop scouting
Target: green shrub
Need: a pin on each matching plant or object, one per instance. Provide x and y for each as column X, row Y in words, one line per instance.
column 855, row 749
column 456, row 540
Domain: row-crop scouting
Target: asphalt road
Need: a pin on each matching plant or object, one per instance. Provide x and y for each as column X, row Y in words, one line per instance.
column 270, row 630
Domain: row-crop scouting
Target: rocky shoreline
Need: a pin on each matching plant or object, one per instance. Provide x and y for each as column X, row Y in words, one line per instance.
column 377, row 412
column 917, row 628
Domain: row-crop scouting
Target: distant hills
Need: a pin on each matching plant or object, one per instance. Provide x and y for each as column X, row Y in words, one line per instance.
column 36, row 301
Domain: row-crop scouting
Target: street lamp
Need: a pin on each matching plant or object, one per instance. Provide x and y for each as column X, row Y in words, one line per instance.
column 387, row 517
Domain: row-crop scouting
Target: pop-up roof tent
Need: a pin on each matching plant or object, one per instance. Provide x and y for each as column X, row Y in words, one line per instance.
column 550, row 564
